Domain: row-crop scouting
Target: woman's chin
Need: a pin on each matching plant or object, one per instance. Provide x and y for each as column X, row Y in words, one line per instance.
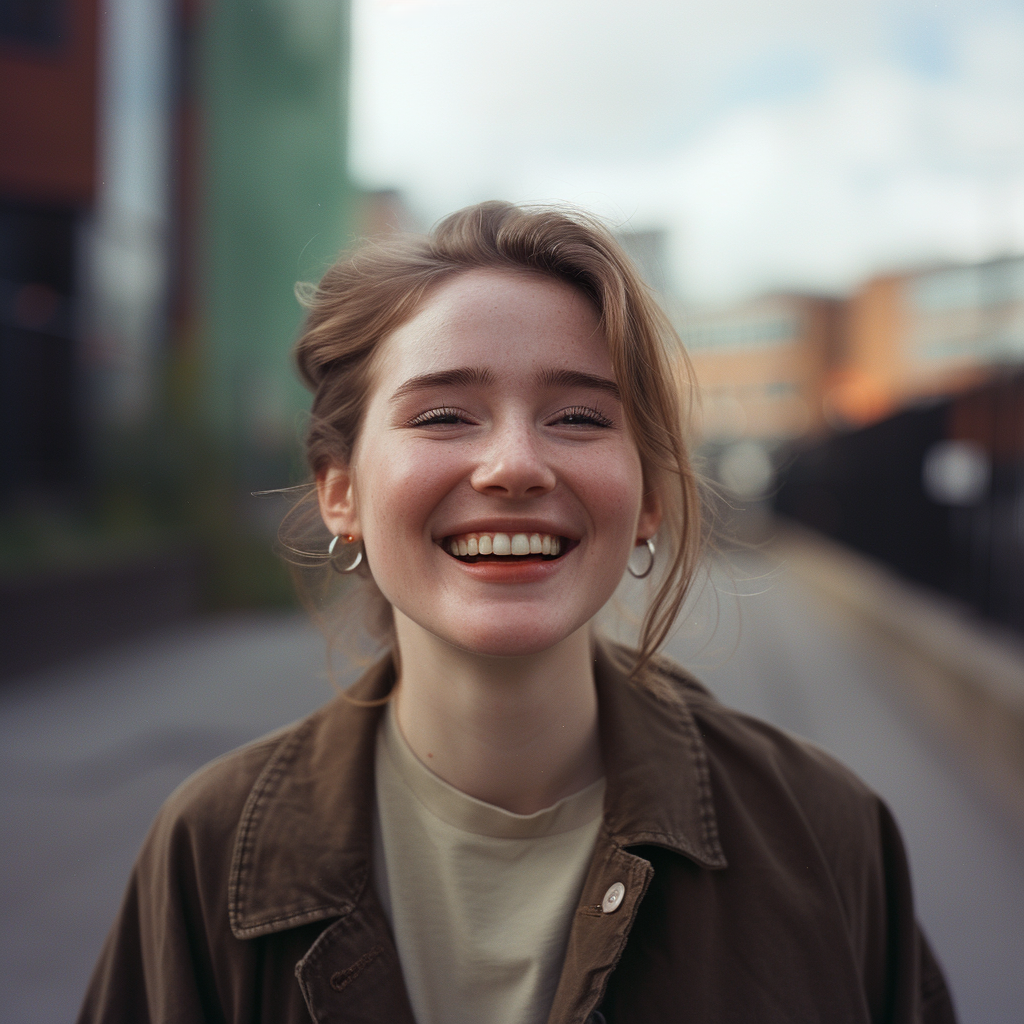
column 507, row 641
column 507, row 648
column 499, row 629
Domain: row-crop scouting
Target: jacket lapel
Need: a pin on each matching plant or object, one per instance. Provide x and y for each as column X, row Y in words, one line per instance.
column 303, row 854
column 303, row 847
column 597, row 937
column 352, row 973
column 647, row 735
column 659, row 789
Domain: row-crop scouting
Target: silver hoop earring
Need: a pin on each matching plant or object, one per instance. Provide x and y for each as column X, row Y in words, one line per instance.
column 650, row 563
column 353, row 564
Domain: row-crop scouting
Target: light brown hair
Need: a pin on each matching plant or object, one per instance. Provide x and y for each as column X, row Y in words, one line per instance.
column 370, row 292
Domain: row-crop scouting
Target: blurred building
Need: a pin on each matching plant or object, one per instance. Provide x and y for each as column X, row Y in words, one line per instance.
column 762, row 365
column 925, row 465
column 927, row 333
column 169, row 170
column 49, row 81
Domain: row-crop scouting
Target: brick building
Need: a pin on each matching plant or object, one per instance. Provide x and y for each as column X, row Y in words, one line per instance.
column 762, row 365
column 927, row 333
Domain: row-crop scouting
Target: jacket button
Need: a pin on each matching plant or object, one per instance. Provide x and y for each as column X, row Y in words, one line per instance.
column 613, row 898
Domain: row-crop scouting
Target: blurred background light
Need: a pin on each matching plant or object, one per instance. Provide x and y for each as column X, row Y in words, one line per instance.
column 746, row 469
column 956, row 472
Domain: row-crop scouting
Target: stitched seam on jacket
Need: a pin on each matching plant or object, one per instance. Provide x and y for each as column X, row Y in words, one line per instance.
column 709, row 825
column 251, row 814
column 302, row 913
column 666, row 683
column 340, row 980
column 705, row 801
column 599, row 980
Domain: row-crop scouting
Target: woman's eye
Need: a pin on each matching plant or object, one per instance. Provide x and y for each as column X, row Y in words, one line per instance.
column 444, row 416
column 581, row 416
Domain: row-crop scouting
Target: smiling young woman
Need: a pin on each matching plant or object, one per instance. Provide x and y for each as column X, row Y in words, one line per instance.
column 507, row 818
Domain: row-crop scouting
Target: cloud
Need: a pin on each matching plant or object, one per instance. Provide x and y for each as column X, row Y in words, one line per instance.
column 805, row 145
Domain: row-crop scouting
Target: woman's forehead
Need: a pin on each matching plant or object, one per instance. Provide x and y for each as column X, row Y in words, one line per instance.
column 503, row 320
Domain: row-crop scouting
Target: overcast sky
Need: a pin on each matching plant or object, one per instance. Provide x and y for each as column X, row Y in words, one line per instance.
column 801, row 143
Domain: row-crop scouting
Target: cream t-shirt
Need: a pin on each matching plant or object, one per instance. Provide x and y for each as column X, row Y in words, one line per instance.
column 480, row 900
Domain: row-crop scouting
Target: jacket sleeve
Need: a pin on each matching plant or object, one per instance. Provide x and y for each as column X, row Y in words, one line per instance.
column 156, row 966
column 171, row 957
column 915, row 989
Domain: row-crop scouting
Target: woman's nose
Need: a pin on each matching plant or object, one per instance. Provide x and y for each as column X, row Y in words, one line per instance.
column 513, row 465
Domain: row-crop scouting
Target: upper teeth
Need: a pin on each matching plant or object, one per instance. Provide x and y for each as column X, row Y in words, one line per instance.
column 504, row 544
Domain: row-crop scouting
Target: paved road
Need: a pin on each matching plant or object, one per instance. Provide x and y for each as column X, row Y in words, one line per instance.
column 90, row 750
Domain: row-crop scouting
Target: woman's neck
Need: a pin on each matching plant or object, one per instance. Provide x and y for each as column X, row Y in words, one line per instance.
column 520, row 733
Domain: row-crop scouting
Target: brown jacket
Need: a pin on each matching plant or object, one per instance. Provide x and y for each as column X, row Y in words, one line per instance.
column 763, row 882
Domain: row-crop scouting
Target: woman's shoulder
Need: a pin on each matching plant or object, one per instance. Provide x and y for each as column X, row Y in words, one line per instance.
column 187, row 890
column 723, row 727
column 205, row 809
column 229, row 777
column 200, row 819
column 768, row 768
column 221, row 788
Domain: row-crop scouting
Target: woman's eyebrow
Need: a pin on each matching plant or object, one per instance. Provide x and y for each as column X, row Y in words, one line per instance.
column 464, row 376
column 472, row 376
column 578, row 379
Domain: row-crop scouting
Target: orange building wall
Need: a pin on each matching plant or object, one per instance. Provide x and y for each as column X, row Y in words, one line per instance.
column 881, row 369
column 869, row 377
column 770, row 391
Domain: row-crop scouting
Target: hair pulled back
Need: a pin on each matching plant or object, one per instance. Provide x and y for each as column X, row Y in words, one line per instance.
column 370, row 292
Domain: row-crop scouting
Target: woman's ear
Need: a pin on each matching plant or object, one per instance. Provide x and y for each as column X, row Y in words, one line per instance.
column 650, row 515
column 336, row 493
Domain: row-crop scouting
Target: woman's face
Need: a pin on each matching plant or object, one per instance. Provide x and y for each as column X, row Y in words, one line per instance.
column 495, row 423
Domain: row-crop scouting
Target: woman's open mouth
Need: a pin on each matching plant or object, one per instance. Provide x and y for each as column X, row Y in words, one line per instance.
column 506, row 547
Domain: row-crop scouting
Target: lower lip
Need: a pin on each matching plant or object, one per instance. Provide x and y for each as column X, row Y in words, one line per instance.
column 510, row 572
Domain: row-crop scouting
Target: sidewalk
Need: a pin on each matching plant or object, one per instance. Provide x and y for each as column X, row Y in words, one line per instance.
column 965, row 676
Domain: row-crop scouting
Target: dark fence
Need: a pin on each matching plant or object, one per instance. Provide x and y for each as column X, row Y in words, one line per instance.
column 936, row 492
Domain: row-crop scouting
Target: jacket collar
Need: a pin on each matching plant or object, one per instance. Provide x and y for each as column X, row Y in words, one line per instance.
column 647, row 733
column 303, row 847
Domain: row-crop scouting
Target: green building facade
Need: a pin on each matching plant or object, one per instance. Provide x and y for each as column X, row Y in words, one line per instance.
column 277, row 206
